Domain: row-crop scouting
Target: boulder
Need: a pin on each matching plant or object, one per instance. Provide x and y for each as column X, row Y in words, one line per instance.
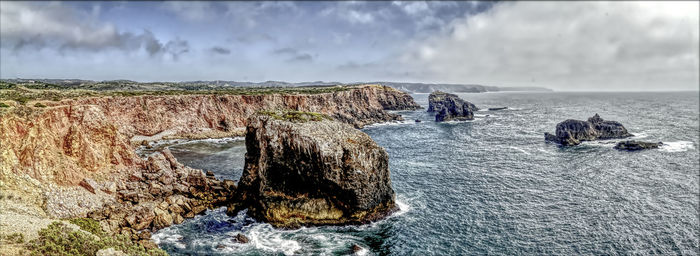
column 312, row 171
column 450, row 107
column 240, row 238
column 498, row 108
column 572, row 132
column 633, row 145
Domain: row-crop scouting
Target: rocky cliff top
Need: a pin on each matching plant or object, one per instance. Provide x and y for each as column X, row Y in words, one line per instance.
column 316, row 172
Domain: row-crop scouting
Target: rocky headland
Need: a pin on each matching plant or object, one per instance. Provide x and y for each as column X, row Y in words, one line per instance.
column 64, row 156
column 571, row 132
column 449, row 106
column 307, row 169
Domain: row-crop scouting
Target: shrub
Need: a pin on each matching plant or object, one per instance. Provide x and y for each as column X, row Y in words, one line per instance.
column 59, row 239
column 39, row 105
column 3, row 105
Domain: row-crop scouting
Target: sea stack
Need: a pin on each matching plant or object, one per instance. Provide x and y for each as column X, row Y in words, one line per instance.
column 449, row 106
column 572, row 132
column 304, row 169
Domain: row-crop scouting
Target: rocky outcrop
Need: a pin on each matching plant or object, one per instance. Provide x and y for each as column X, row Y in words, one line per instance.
column 633, row 145
column 449, row 106
column 392, row 99
column 312, row 171
column 572, row 132
column 161, row 194
column 74, row 139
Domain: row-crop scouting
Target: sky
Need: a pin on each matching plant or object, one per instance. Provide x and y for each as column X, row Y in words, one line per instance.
column 573, row 46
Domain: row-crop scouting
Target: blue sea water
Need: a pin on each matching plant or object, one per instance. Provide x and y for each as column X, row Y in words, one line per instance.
column 494, row 186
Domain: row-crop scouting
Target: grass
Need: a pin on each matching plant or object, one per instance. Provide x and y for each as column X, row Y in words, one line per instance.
column 295, row 116
column 59, row 239
column 3, row 105
column 26, row 92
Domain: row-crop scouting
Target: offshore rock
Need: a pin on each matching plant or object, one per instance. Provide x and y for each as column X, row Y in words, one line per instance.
column 572, row 132
column 450, row 107
column 304, row 169
column 633, row 145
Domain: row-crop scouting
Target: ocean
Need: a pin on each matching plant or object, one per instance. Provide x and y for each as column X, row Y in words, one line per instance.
column 494, row 186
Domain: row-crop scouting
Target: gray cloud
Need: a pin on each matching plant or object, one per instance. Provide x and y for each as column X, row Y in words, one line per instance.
column 293, row 55
column 220, row 50
column 304, row 57
column 63, row 28
column 572, row 46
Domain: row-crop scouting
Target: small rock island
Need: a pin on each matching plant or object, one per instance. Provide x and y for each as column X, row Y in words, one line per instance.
column 633, row 145
column 305, row 169
column 449, row 106
column 571, row 132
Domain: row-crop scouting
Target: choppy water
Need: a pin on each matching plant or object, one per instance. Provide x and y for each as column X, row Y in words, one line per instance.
column 493, row 186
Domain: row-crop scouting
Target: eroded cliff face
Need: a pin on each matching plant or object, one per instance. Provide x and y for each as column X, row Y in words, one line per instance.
column 74, row 139
column 312, row 172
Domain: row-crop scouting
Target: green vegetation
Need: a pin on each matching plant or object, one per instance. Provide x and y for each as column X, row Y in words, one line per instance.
column 295, row 116
column 59, row 239
column 39, row 105
column 14, row 238
column 26, row 92
column 3, row 105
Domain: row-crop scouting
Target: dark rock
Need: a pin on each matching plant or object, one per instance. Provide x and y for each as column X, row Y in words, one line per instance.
column 210, row 173
column 633, row 145
column 145, row 234
column 499, row 108
column 89, row 184
column 240, row 238
column 220, row 246
column 356, row 248
column 312, row 173
column 608, row 129
column 392, row 99
column 417, row 121
column 572, row 132
column 450, row 107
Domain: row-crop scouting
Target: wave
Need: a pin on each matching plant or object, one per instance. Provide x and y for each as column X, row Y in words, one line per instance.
column 677, row 146
column 390, row 123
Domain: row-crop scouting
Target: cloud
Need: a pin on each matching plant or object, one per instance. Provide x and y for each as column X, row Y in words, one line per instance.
column 191, row 11
column 53, row 25
column 220, row 50
column 304, row 57
column 582, row 45
column 293, row 55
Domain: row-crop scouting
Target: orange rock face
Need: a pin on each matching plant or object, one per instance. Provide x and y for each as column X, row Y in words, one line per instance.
column 89, row 137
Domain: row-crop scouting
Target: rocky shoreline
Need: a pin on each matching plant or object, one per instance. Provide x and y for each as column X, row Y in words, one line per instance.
column 76, row 158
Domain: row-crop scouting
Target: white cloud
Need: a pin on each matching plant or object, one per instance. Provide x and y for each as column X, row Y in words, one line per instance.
column 354, row 16
column 573, row 46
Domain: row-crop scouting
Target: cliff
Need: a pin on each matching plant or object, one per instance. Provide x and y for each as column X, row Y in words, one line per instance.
column 306, row 169
column 48, row 149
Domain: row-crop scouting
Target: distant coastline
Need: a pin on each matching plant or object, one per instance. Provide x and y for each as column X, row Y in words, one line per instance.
column 221, row 84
